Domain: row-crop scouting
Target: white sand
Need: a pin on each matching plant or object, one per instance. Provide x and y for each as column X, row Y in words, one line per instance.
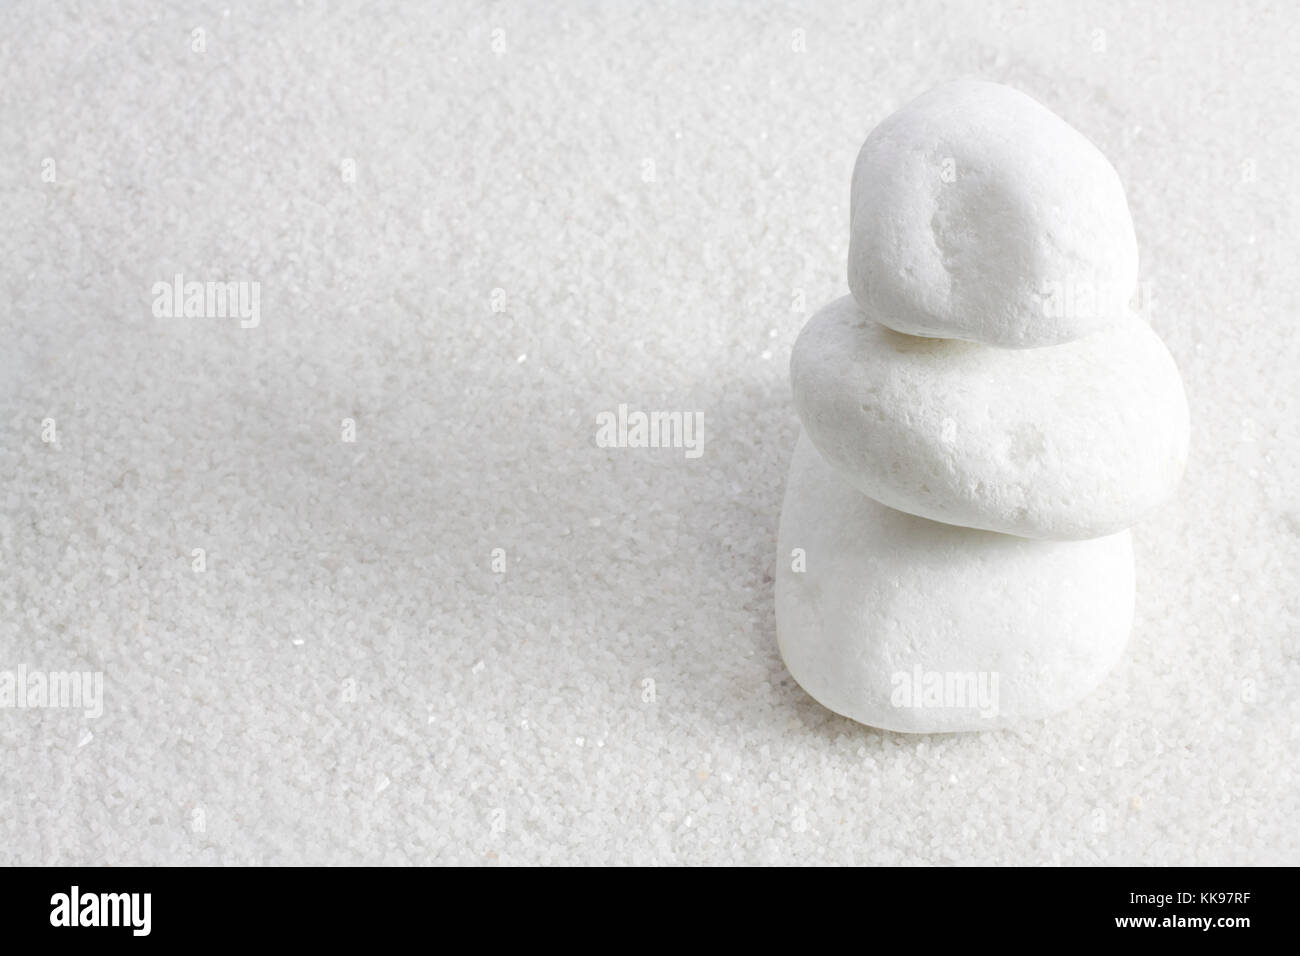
column 349, row 681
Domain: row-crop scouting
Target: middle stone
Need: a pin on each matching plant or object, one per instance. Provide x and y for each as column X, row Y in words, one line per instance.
column 1064, row 442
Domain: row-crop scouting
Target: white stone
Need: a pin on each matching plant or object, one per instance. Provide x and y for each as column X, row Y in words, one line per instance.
column 889, row 604
column 1071, row 441
column 977, row 213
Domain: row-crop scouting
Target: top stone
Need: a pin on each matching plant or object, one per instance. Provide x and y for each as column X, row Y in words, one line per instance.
column 979, row 214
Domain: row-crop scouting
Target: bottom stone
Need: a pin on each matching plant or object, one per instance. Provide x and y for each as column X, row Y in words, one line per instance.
column 907, row 624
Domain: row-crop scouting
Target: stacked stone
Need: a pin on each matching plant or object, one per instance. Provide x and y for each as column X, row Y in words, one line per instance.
column 978, row 433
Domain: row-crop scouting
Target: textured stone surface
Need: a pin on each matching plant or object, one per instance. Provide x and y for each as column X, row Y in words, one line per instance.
column 1073, row 441
column 876, row 609
column 979, row 214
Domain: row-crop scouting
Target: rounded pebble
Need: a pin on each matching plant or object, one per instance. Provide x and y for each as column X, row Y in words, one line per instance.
column 977, row 213
column 911, row 625
column 1073, row 441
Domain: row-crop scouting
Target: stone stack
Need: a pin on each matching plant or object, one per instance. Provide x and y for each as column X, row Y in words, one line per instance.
column 983, row 419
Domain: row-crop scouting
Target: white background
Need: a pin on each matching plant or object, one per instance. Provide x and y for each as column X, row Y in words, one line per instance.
column 348, row 680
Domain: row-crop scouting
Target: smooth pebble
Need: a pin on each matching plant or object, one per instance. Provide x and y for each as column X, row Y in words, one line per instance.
column 1072, row 441
column 890, row 608
column 977, row 213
